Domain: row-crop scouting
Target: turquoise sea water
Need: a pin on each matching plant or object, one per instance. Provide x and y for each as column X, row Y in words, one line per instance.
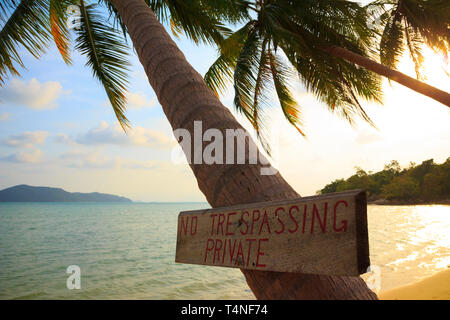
column 127, row 251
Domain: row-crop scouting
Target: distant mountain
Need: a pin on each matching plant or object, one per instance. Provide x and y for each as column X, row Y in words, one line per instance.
column 24, row 193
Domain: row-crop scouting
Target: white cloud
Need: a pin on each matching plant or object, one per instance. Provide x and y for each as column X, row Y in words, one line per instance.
column 4, row 117
column 64, row 138
column 34, row 156
column 137, row 136
column 81, row 159
column 26, row 139
column 137, row 101
column 32, row 94
column 98, row 160
column 139, row 164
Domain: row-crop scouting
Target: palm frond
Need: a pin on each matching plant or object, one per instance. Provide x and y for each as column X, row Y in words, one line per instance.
column 114, row 15
column 6, row 8
column 414, row 43
column 198, row 21
column 176, row 28
column 263, row 86
column 430, row 19
column 245, row 75
column 220, row 73
column 336, row 82
column 414, row 23
column 391, row 43
column 106, row 55
column 58, row 18
column 26, row 27
column 315, row 23
column 232, row 11
column 281, row 74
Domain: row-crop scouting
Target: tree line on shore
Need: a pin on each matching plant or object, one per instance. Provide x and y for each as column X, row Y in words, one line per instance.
column 426, row 182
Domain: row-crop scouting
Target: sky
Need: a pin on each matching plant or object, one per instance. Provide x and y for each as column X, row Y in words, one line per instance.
column 57, row 129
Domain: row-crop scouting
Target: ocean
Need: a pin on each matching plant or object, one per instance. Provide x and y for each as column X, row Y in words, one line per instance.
column 127, row 251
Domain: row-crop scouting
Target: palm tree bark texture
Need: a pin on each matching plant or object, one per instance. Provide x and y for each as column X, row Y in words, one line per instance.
column 185, row 97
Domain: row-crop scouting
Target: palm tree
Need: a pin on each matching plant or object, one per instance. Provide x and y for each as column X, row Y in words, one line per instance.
column 184, row 97
column 414, row 23
column 324, row 41
column 410, row 24
column 252, row 58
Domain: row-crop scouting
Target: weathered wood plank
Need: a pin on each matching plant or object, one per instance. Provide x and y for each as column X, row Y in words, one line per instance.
column 318, row 235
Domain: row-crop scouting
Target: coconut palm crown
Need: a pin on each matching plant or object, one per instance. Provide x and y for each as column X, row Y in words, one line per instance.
column 409, row 24
column 333, row 47
column 284, row 38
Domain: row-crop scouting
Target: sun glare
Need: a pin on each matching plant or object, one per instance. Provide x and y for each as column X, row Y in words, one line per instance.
column 435, row 68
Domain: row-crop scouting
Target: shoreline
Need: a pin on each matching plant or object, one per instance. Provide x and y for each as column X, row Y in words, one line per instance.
column 435, row 287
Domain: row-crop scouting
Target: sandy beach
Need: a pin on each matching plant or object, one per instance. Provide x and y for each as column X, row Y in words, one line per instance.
column 436, row 287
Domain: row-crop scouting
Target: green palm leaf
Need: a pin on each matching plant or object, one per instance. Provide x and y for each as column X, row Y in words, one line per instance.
column 263, row 83
column 294, row 28
column 391, row 43
column 263, row 86
column 281, row 74
column 220, row 73
column 198, row 22
column 6, row 8
column 245, row 76
column 27, row 27
column 58, row 24
column 106, row 55
column 333, row 80
column 114, row 15
column 232, row 11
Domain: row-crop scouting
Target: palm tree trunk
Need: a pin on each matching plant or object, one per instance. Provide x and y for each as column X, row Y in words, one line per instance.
column 185, row 97
column 407, row 81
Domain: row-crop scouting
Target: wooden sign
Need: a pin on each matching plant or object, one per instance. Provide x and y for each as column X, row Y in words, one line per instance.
column 317, row 235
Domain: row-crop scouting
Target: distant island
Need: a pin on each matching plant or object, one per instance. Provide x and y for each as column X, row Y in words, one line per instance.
column 418, row 184
column 25, row 193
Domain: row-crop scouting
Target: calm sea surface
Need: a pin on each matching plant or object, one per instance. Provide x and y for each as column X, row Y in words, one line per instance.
column 126, row 251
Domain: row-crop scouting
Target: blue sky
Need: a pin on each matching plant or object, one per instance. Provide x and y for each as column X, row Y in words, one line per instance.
column 57, row 129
